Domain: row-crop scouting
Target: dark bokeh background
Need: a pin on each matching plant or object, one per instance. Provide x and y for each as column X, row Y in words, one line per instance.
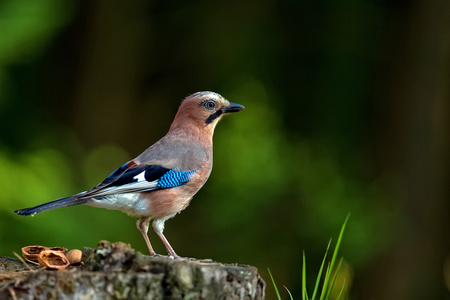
column 347, row 110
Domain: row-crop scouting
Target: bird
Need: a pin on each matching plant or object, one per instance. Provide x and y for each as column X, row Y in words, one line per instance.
column 161, row 181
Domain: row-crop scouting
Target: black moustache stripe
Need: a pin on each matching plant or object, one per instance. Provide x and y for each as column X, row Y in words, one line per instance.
column 213, row 116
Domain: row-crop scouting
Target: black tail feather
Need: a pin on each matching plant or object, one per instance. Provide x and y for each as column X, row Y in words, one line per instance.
column 62, row 202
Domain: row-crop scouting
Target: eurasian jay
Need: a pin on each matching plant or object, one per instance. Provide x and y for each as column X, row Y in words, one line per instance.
column 161, row 181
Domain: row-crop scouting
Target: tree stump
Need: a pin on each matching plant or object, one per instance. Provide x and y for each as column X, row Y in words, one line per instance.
column 116, row 271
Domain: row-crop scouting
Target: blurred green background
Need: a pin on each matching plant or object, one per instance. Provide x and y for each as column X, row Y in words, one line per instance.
column 347, row 110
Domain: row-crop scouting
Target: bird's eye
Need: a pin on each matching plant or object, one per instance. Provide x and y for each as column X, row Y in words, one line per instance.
column 210, row 105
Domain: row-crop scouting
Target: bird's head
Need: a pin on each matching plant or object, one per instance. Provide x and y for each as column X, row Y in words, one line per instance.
column 204, row 110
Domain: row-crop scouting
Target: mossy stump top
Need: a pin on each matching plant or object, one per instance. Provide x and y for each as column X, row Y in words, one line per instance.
column 116, row 271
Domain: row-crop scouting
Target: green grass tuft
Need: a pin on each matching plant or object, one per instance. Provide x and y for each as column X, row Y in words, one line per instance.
column 330, row 277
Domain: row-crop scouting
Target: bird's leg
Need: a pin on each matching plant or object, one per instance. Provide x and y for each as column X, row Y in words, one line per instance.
column 143, row 224
column 158, row 226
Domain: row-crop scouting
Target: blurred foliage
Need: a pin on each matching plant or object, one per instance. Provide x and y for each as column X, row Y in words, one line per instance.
column 327, row 130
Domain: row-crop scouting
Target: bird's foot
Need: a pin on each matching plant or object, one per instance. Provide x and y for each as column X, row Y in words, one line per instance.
column 177, row 257
column 165, row 256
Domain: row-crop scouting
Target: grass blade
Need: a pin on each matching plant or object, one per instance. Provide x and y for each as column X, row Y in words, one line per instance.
column 304, row 291
column 333, row 259
column 319, row 276
column 289, row 292
column 325, row 286
column 342, row 290
column 274, row 285
column 334, row 278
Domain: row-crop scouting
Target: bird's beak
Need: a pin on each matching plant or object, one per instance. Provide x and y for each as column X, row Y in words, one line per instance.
column 234, row 107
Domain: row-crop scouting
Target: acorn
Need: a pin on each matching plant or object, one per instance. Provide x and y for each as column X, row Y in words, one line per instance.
column 53, row 260
column 74, row 256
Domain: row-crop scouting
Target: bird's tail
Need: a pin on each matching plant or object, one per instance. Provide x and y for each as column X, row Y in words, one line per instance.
column 62, row 202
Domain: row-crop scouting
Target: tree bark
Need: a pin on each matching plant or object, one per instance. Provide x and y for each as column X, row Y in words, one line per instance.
column 115, row 271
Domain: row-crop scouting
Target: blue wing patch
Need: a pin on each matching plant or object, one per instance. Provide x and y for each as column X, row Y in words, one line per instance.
column 174, row 178
column 133, row 178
